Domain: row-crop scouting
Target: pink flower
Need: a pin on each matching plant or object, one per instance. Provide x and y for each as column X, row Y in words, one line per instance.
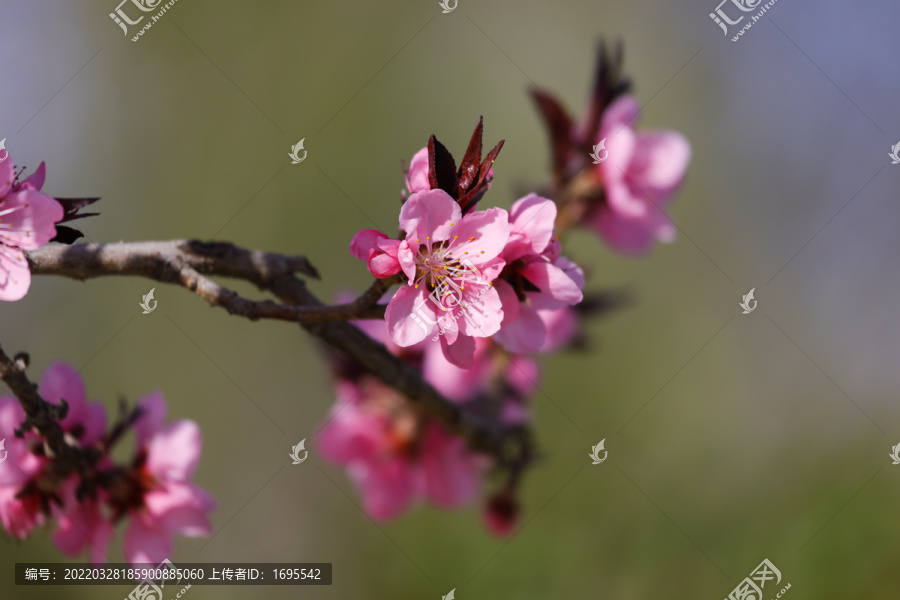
column 27, row 219
column 450, row 261
column 170, row 504
column 82, row 525
column 395, row 459
column 537, row 283
column 640, row 175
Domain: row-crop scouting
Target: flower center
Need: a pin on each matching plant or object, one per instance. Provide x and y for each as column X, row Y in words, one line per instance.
column 445, row 269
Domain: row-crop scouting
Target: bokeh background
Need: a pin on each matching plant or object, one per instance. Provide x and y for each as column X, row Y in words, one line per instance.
column 731, row 437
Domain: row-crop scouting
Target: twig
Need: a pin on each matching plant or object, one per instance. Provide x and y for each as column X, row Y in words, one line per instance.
column 40, row 414
column 184, row 262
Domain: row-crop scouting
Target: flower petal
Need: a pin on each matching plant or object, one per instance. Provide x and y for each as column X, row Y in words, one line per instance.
column 660, row 162
column 181, row 508
column 153, row 417
column 61, row 381
column 482, row 312
column 553, row 281
column 410, row 316
column 429, row 214
column 174, row 452
column 480, row 236
column 531, row 221
column 450, row 473
column 525, row 334
column 461, row 353
column 147, row 540
column 417, row 175
column 15, row 278
column 28, row 217
column 363, row 244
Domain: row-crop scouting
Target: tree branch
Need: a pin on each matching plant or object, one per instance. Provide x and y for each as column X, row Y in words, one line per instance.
column 187, row 262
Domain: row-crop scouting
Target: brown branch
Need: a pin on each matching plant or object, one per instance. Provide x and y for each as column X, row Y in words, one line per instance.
column 40, row 414
column 187, row 262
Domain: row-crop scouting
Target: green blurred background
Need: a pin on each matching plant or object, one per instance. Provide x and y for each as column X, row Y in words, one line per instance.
column 731, row 437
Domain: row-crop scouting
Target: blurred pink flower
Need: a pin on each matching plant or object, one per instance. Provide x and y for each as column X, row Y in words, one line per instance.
column 27, row 219
column 170, row 504
column 537, row 285
column 82, row 525
column 19, row 515
column 394, row 457
column 640, row 175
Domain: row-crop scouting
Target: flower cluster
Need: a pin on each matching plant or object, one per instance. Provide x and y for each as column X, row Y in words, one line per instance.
column 614, row 179
column 480, row 289
column 154, row 491
column 397, row 456
column 470, row 274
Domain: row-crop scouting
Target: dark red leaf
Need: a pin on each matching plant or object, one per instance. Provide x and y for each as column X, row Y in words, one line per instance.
column 468, row 201
column 560, row 127
column 71, row 206
column 66, row 235
column 608, row 84
column 441, row 167
column 468, row 168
